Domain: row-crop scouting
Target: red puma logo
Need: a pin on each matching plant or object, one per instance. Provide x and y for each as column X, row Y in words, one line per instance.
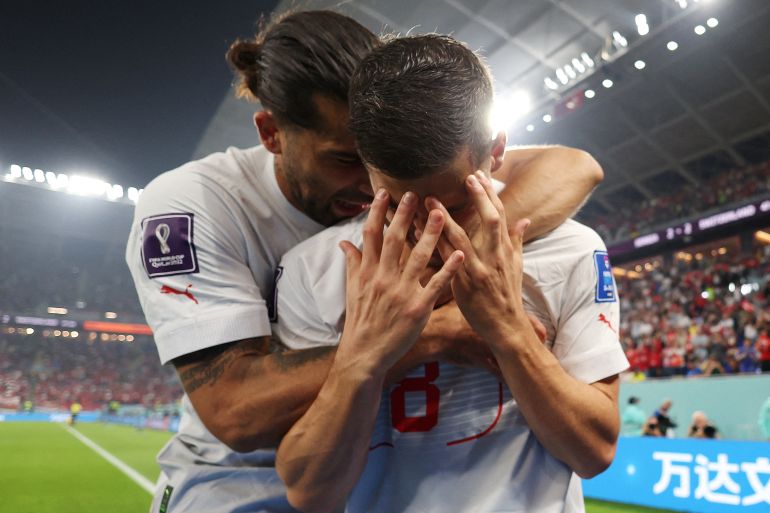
column 604, row 319
column 165, row 289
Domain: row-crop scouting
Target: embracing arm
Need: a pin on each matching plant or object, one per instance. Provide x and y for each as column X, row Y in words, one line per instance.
column 546, row 184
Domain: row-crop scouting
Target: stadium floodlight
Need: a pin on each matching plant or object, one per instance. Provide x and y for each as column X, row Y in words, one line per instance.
column 562, row 76
column 589, row 93
column 547, row 118
column 746, row 289
column 27, row 173
column 570, row 72
column 641, row 24
column 640, row 64
column 672, row 45
column 74, row 334
column 587, row 59
column 700, row 30
column 15, row 171
column 63, row 180
column 550, row 84
column 712, row 22
column 57, row 310
column 579, row 67
column 110, row 315
column 134, row 193
column 87, row 186
column 619, row 39
column 505, row 110
column 530, row 128
column 114, row 192
column 50, row 177
column 607, row 83
column 39, row 176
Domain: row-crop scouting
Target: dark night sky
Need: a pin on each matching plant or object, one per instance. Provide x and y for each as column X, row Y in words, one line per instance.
column 122, row 90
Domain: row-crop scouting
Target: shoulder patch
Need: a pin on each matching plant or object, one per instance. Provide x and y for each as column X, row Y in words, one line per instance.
column 605, row 283
column 167, row 245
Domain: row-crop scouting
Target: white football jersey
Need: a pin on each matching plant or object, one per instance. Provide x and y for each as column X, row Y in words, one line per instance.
column 450, row 438
column 204, row 245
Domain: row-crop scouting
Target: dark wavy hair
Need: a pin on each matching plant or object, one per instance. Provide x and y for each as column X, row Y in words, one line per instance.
column 296, row 56
column 417, row 101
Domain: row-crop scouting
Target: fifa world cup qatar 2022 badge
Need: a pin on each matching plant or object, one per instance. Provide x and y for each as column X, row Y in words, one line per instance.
column 605, row 284
column 167, row 245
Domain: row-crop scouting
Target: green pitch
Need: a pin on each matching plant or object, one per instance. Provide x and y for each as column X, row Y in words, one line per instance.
column 44, row 469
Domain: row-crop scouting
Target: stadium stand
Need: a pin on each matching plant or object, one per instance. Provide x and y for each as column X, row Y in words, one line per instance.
column 720, row 189
column 54, row 372
column 691, row 315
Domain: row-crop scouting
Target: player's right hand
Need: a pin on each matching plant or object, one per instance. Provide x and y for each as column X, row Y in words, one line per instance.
column 387, row 307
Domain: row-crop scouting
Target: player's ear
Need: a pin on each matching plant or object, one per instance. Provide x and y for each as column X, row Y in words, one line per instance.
column 498, row 150
column 269, row 131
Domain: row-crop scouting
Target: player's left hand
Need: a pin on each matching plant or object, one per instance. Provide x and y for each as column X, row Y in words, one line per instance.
column 488, row 286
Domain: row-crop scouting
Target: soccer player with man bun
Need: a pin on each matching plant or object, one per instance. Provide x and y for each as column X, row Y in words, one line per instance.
column 208, row 235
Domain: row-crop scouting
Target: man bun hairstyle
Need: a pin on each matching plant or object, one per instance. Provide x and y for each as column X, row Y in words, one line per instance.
column 417, row 101
column 296, row 56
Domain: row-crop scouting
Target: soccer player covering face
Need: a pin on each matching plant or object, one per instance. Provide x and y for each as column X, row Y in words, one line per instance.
column 447, row 437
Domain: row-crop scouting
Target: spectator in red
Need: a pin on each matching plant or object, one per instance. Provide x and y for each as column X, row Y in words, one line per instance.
column 763, row 346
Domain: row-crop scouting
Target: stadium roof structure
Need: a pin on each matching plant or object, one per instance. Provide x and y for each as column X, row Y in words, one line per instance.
column 661, row 100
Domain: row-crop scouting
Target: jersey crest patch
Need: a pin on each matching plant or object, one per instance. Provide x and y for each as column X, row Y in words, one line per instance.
column 167, row 245
column 605, row 284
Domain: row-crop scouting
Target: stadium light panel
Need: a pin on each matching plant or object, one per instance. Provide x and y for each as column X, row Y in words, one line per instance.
column 57, row 310
column 607, row 83
column 530, row 128
column 587, row 59
column 569, row 71
column 700, row 30
column 562, row 76
column 579, row 67
column 672, row 45
column 712, row 22
column 39, row 176
column 550, row 84
column 110, row 315
column 74, row 334
column 30, row 331
column 547, row 118
column 640, row 64
column 619, row 39
column 15, row 171
column 27, row 173
column 589, row 93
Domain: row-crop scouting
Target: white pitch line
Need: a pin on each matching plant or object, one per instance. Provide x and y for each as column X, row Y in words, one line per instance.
column 132, row 474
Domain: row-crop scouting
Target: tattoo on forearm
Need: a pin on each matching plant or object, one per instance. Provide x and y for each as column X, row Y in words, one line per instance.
column 213, row 362
column 286, row 359
column 208, row 365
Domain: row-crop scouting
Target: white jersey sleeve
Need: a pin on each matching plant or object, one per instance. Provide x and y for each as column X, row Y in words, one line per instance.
column 586, row 342
column 187, row 255
column 310, row 288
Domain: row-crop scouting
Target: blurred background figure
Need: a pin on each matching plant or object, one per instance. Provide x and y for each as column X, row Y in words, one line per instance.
column 633, row 418
column 702, row 427
column 652, row 427
column 666, row 425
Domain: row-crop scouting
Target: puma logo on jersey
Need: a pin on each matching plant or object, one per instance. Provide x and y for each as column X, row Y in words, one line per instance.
column 606, row 321
column 165, row 289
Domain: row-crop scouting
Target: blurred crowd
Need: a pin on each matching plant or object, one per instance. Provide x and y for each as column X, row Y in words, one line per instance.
column 51, row 273
column 631, row 220
column 55, row 373
column 698, row 317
